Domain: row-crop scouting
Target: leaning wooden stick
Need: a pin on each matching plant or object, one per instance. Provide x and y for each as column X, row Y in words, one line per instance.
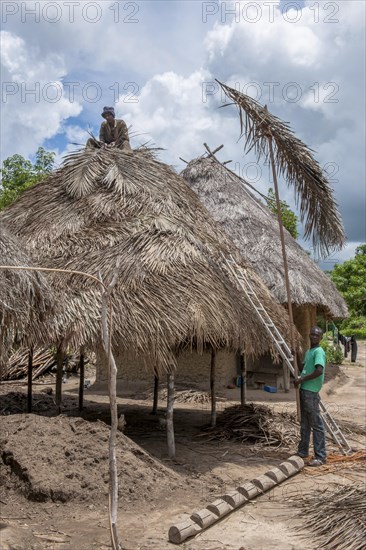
column 286, row 271
column 112, row 370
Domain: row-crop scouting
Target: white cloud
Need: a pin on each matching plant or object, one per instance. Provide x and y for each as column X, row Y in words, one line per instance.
column 170, row 112
column 31, row 83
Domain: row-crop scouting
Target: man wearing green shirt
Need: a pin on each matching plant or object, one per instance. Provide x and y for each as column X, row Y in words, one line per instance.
column 311, row 381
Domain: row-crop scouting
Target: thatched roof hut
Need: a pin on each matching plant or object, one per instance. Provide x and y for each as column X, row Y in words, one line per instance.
column 172, row 290
column 254, row 230
column 25, row 298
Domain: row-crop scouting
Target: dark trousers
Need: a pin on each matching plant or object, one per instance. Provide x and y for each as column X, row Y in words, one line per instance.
column 311, row 420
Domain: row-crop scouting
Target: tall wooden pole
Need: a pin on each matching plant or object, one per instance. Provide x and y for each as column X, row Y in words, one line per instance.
column 107, row 315
column 156, row 394
column 169, row 416
column 243, row 376
column 285, row 265
column 81, row 381
column 60, row 363
column 213, row 388
column 30, row 379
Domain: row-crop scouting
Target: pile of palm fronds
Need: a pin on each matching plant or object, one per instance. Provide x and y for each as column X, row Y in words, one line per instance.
column 350, row 427
column 190, row 396
column 256, row 424
column 338, row 518
column 185, row 396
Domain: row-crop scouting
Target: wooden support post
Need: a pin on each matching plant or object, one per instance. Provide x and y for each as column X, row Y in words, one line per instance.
column 213, row 388
column 59, row 363
column 81, row 382
column 156, row 394
column 286, row 377
column 30, row 379
column 243, row 375
column 107, row 330
column 169, row 416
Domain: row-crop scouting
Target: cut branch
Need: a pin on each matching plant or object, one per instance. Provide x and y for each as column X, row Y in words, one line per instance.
column 112, row 370
column 295, row 162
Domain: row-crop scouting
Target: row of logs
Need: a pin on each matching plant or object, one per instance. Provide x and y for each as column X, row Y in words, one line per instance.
column 227, row 503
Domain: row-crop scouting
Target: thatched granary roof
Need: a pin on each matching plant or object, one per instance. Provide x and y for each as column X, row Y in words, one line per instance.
column 172, row 288
column 254, row 229
column 25, row 297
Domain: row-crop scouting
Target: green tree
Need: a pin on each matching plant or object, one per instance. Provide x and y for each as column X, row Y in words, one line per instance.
column 17, row 174
column 350, row 280
column 289, row 218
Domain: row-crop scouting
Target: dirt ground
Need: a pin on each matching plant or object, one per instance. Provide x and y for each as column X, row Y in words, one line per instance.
column 54, row 470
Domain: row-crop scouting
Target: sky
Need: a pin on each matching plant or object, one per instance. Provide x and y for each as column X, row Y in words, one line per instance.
column 156, row 62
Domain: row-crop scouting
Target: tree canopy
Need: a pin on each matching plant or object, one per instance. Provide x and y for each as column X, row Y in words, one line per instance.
column 17, row 174
column 289, row 218
column 350, row 280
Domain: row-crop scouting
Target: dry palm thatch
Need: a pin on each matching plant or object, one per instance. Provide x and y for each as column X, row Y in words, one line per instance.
column 255, row 424
column 337, row 518
column 172, row 289
column 254, row 229
column 25, row 298
column 186, row 396
column 295, row 162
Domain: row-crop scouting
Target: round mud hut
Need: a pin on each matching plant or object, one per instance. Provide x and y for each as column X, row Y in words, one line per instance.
column 26, row 300
column 174, row 296
column 254, row 230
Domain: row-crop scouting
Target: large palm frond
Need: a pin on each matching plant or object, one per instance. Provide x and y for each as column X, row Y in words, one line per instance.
column 295, row 162
column 83, row 170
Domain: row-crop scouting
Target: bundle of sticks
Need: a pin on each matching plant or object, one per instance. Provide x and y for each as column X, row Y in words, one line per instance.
column 43, row 360
column 17, row 365
column 337, row 517
column 189, row 396
column 255, row 424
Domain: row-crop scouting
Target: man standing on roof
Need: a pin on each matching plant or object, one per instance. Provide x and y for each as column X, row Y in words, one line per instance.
column 311, row 381
column 113, row 132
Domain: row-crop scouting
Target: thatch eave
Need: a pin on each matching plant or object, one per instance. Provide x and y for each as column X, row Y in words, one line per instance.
column 26, row 298
column 254, row 230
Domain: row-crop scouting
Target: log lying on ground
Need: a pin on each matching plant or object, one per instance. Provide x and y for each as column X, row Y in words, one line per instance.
column 233, row 500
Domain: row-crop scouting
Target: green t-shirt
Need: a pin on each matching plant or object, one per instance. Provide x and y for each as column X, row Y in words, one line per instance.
column 314, row 356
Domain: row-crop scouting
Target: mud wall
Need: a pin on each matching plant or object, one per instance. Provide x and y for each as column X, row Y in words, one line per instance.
column 193, row 370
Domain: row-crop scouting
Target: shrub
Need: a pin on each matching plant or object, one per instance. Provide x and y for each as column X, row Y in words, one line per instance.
column 334, row 354
column 358, row 333
column 354, row 326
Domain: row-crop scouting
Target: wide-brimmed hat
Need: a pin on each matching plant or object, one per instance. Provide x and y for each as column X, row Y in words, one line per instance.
column 107, row 110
